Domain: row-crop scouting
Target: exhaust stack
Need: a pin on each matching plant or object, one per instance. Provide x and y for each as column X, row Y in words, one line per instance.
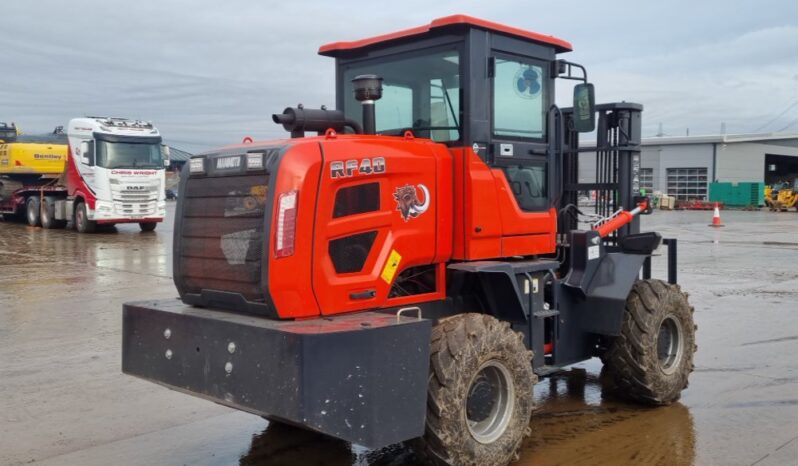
column 368, row 90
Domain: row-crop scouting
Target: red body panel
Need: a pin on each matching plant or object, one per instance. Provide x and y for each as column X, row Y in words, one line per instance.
column 559, row 44
column 523, row 233
column 290, row 277
column 410, row 163
column 487, row 220
column 471, row 214
column 74, row 181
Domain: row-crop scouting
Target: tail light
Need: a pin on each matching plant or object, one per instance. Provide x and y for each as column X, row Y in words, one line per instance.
column 286, row 224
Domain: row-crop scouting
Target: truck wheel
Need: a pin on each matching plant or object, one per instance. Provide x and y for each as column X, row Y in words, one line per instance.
column 148, row 226
column 480, row 393
column 32, row 211
column 652, row 359
column 47, row 215
column 82, row 222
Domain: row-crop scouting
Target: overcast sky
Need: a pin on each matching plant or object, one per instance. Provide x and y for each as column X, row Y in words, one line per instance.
column 208, row 72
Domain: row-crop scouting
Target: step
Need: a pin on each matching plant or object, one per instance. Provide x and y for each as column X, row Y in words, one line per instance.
column 546, row 313
column 543, row 371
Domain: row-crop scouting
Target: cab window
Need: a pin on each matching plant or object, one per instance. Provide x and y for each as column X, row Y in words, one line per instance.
column 421, row 93
column 528, row 183
column 519, row 95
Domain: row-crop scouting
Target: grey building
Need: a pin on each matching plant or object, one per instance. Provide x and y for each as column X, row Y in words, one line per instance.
column 684, row 166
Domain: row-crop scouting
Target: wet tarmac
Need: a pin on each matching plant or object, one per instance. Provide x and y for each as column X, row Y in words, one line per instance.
column 64, row 401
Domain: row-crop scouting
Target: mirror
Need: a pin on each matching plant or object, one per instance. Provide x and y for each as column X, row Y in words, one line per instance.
column 166, row 152
column 87, row 153
column 584, row 108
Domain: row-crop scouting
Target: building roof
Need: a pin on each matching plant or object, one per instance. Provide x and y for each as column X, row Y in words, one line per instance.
column 177, row 155
column 336, row 48
column 718, row 138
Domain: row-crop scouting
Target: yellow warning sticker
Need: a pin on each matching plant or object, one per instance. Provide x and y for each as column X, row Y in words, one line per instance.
column 390, row 267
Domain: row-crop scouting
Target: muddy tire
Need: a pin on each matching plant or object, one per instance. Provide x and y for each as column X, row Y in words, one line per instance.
column 480, row 393
column 82, row 222
column 652, row 359
column 147, row 226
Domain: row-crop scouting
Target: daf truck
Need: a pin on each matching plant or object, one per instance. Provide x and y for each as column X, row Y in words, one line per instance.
column 113, row 172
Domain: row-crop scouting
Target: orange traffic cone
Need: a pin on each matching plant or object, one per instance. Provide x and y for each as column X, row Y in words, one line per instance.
column 716, row 218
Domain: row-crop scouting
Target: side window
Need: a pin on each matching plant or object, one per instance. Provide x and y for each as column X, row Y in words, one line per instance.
column 349, row 253
column 528, row 183
column 518, row 99
column 357, row 199
column 395, row 109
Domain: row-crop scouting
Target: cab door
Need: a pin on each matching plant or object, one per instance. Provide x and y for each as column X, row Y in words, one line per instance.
column 375, row 218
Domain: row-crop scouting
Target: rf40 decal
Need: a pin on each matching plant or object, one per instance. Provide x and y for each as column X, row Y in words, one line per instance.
column 357, row 167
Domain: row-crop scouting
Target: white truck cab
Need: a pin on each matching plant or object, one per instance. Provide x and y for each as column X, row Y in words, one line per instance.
column 115, row 173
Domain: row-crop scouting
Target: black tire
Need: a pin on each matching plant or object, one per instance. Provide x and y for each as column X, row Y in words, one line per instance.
column 468, row 353
column 148, row 226
column 82, row 222
column 32, row 212
column 651, row 361
column 47, row 214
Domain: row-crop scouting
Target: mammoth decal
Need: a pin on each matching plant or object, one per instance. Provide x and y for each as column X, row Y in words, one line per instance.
column 407, row 202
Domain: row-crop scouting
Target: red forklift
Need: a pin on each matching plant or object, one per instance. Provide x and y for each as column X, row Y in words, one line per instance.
column 407, row 271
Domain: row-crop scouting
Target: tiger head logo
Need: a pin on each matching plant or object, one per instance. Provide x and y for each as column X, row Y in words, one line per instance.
column 407, row 202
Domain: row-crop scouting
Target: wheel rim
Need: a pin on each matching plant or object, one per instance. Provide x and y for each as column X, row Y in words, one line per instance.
column 490, row 402
column 670, row 344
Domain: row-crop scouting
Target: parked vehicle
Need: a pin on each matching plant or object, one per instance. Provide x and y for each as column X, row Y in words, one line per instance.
column 106, row 171
column 410, row 270
column 782, row 196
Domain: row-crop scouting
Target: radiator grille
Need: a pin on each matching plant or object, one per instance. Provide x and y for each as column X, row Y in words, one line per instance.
column 222, row 237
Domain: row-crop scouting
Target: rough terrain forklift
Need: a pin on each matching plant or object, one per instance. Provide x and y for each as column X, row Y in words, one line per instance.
column 408, row 270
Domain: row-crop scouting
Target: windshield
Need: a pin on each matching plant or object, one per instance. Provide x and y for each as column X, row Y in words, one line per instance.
column 129, row 155
column 421, row 93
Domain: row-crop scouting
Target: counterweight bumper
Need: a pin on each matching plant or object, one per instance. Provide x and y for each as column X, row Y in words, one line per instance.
column 361, row 378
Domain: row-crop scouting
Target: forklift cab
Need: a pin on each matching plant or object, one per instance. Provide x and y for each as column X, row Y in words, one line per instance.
column 486, row 91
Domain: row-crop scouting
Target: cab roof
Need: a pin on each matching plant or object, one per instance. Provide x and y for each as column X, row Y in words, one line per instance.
column 336, row 49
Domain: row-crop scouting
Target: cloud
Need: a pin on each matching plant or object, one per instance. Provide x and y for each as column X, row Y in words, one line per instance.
column 209, row 73
column 742, row 81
